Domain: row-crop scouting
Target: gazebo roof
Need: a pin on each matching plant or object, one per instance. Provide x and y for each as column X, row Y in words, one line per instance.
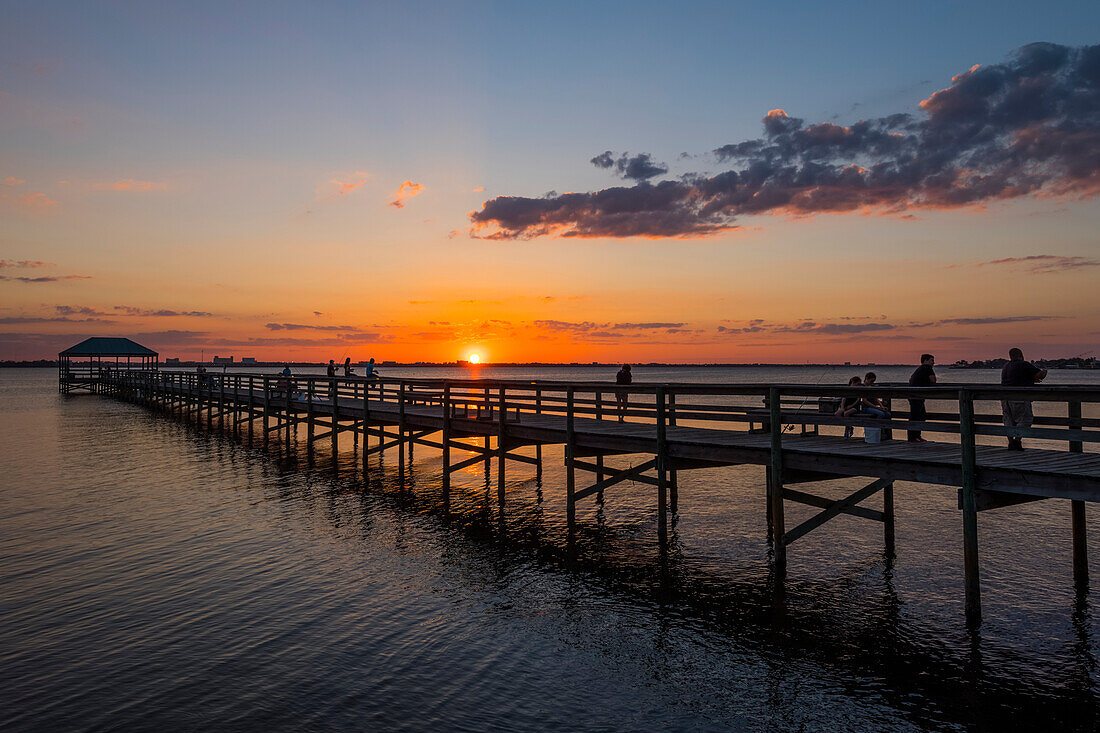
column 100, row 346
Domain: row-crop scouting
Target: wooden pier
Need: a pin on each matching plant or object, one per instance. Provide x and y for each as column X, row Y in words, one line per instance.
column 679, row 427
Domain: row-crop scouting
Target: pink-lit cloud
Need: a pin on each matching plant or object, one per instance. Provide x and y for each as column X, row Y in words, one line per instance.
column 406, row 191
column 345, row 188
column 36, row 201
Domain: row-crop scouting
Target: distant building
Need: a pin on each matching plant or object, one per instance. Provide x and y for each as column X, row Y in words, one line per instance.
column 223, row 359
column 246, row 359
column 172, row 361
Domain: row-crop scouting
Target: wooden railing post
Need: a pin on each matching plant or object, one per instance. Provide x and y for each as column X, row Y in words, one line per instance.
column 570, row 471
column 334, row 387
column 673, row 483
column 1077, row 508
column 311, row 416
column 775, row 481
column 401, row 429
column 446, row 444
column 662, row 469
column 502, row 444
column 968, row 455
column 267, row 408
column 538, row 447
column 599, row 459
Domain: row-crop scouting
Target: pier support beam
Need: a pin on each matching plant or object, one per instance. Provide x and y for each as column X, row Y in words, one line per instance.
column 775, row 484
column 673, row 483
column 447, row 445
column 1080, row 545
column 970, row 509
column 888, row 519
column 662, row 470
column 1077, row 510
column 570, row 472
column 502, row 445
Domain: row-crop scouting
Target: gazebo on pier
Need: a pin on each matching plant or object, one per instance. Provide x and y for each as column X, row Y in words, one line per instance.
column 85, row 365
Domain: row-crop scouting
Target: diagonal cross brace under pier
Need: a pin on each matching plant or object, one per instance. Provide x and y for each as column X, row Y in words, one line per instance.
column 634, row 473
column 834, row 509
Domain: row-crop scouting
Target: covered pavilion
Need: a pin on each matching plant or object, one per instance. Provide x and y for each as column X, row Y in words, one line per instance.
column 83, row 366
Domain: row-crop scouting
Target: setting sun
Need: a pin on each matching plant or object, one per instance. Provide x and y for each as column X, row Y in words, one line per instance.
column 475, row 358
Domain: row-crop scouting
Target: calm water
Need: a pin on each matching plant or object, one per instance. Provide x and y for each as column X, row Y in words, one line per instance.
column 158, row 576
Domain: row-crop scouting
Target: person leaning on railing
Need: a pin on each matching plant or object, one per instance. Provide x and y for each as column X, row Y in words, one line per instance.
column 1018, row 413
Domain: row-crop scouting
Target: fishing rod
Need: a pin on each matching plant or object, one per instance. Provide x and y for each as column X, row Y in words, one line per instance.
column 828, row 369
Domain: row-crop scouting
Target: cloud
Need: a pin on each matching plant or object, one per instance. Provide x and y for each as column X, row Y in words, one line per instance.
column 162, row 312
column 992, row 320
column 10, row 320
column 78, row 310
column 810, row 327
column 1042, row 264
column 1026, row 127
column 36, row 201
column 646, row 326
column 343, row 188
column 406, row 191
column 46, row 279
column 12, row 181
column 420, row 302
column 4, row 264
column 638, row 168
column 305, row 326
column 553, row 298
column 128, row 184
column 849, row 328
column 568, row 326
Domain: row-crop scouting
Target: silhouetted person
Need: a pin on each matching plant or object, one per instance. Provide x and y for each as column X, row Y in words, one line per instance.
column 347, row 367
column 849, row 406
column 1017, row 413
column 286, row 370
column 923, row 376
column 621, row 395
column 873, row 406
column 368, row 369
column 331, row 368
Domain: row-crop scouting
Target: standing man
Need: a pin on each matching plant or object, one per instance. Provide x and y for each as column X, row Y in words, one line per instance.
column 923, row 376
column 623, row 377
column 1017, row 413
column 331, row 368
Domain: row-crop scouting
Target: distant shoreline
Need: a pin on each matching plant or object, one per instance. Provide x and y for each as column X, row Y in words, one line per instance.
column 991, row 364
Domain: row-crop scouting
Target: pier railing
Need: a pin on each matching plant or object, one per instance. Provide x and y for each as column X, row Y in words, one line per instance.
column 1064, row 413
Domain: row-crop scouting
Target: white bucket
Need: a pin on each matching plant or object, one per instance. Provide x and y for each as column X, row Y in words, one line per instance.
column 872, row 435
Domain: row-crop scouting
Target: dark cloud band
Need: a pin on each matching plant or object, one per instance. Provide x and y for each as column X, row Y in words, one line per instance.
column 1026, row 127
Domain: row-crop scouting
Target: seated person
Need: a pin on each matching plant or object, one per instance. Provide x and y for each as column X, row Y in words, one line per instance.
column 849, row 406
column 872, row 406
